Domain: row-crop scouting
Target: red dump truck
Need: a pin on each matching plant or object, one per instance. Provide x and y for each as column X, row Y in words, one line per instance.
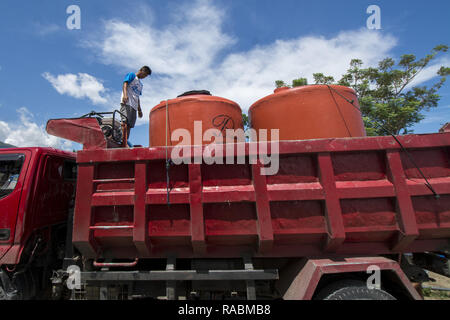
column 338, row 211
column 339, row 220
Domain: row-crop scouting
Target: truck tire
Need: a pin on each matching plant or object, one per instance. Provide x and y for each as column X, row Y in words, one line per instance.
column 441, row 266
column 447, row 268
column 435, row 262
column 352, row 290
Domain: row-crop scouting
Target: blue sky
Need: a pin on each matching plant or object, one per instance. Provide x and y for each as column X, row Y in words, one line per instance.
column 235, row 49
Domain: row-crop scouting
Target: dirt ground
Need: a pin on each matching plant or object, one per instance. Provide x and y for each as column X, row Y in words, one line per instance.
column 441, row 282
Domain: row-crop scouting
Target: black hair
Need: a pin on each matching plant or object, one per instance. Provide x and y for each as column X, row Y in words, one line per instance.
column 146, row 69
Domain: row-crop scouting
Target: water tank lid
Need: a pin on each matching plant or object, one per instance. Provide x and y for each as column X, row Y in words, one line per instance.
column 195, row 92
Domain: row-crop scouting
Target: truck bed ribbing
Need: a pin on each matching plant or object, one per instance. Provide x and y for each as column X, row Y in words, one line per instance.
column 331, row 196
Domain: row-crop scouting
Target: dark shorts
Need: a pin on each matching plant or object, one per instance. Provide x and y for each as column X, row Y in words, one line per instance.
column 130, row 113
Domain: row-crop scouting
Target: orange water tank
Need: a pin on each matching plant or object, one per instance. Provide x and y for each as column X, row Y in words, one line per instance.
column 213, row 112
column 309, row 112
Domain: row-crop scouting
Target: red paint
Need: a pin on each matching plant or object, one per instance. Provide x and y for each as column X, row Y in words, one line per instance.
column 86, row 131
column 196, row 208
column 263, row 218
column 333, row 212
column 445, row 128
column 406, row 218
column 40, row 200
column 304, row 284
column 342, row 196
column 140, row 231
column 116, row 264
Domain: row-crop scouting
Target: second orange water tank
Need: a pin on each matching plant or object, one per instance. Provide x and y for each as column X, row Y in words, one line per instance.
column 309, row 112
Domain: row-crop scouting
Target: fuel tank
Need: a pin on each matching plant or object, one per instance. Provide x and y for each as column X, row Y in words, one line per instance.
column 193, row 106
column 309, row 112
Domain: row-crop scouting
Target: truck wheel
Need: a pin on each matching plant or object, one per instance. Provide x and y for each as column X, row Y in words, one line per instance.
column 441, row 266
column 352, row 290
column 447, row 268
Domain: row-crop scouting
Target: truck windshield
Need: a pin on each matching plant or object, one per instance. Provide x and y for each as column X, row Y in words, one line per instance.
column 10, row 166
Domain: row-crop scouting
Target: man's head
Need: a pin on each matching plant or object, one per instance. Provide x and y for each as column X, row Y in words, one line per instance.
column 144, row 72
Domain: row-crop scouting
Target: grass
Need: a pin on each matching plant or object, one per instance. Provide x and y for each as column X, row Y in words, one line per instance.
column 430, row 294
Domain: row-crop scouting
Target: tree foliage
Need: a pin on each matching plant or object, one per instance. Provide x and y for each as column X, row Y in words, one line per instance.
column 389, row 103
column 295, row 83
column 245, row 121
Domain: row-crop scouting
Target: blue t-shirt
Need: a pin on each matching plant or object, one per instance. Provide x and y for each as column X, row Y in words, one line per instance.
column 129, row 77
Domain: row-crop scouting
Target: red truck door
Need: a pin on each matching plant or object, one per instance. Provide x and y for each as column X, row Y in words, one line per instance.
column 56, row 190
column 13, row 169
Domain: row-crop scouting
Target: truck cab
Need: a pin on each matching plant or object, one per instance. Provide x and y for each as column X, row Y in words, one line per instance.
column 37, row 188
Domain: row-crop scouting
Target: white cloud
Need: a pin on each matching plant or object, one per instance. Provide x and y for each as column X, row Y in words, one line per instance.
column 192, row 54
column 437, row 115
column 435, row 118
column 81, row 85
column 187, row 48
column 26, row 133
column 45, row 29
column 248, row 76
column 429, row 72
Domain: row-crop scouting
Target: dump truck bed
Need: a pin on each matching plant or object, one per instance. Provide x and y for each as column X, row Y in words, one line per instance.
column 346, row 196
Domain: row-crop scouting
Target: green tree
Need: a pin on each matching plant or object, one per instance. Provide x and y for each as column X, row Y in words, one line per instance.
column 319, row 78
column 388, row 102
column 295, row 83
column 280, row 84
column 245, row 121
column 299, row 82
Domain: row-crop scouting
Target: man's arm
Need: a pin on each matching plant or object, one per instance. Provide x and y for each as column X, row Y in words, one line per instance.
column 139, row 108
column 125, row 94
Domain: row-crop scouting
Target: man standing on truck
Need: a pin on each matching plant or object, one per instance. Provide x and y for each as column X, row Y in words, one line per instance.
column 131, row 90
